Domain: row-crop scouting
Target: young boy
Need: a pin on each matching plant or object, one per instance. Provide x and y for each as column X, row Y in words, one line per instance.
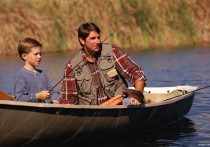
column 31, row 84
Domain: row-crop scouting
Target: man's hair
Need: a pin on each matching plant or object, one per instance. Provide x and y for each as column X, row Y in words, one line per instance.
column 85, row 29
column 25, row 46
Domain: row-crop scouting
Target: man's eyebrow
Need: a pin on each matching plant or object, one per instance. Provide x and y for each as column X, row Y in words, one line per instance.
column 96, row 37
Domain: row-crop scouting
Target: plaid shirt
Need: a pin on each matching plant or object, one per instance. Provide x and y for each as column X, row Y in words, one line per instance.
column 124, row 64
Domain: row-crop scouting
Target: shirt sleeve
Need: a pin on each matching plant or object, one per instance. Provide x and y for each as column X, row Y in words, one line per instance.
column 53, row 91
column 69, row 94
column 127, row 67
column 20, row 91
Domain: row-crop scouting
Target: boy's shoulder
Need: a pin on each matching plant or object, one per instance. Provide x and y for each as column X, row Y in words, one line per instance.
column 22, row 71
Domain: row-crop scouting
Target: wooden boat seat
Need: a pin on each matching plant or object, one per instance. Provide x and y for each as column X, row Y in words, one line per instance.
column 5, row 96
column 158, row 97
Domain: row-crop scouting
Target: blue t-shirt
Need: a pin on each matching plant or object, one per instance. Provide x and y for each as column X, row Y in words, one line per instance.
column 28, row 83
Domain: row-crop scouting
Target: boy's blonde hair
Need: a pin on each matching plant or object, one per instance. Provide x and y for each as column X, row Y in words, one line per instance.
column 25, row 46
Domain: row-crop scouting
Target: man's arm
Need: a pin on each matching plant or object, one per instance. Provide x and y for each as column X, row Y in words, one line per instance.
column 139, row 85
column 132, row 72
column 129, row 70
column 69, row 94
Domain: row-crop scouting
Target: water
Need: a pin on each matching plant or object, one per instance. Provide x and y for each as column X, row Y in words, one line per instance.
column 163, row 68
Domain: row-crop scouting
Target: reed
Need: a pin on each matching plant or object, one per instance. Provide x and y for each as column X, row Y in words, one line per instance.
column 140, row 24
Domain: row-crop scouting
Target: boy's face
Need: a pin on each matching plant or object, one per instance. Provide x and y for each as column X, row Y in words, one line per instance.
column 92, row 43
column 34, row 57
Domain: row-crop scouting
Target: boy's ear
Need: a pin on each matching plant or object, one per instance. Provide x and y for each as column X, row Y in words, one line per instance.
column 24, row 56
column 82, row 41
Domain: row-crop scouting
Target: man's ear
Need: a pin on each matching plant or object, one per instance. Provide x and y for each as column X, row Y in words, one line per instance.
column 82, row 41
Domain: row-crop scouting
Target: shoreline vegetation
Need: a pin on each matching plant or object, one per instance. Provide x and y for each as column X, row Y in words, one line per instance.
column 136, row 25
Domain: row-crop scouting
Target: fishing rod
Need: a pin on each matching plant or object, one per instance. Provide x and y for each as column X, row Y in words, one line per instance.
column 78, row 63
column 188, row 92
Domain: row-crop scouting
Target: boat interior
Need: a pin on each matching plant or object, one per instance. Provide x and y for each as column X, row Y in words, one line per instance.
column 159, row 97
column 151, row 95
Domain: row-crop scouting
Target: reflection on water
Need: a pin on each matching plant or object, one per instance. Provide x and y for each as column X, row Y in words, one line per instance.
column 182, row 130
column 163, row 136
column 163, row 68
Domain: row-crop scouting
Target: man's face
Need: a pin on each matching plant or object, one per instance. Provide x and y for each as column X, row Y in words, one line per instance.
column 92, row 43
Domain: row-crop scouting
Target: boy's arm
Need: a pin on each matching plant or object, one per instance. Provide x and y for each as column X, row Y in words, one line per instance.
column 20, row 92
column 54, row 94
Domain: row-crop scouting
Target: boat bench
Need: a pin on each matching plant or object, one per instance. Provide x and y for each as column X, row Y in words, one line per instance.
column 158, row 97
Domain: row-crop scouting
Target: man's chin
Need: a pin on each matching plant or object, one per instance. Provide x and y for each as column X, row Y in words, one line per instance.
column 96, row 49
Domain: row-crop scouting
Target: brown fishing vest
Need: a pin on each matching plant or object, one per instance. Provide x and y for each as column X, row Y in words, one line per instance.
column 113, row 83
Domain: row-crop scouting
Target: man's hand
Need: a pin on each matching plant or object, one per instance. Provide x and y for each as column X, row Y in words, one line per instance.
column 136, row 97
column 134, row 101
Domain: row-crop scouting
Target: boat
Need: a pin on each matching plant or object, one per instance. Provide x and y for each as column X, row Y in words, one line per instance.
column 25, row 123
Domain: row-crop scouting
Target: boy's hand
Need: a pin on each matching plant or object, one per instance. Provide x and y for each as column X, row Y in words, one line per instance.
column 43, row 95
column 55, row 102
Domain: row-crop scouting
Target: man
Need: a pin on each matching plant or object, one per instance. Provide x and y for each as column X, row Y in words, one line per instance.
column 98, row 72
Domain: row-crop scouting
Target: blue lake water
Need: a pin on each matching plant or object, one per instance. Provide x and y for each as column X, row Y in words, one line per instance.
column 163, row 68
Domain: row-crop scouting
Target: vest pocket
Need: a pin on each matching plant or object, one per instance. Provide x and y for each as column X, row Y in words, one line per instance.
column 85, row 82
column 111, row 77
column 110, row 73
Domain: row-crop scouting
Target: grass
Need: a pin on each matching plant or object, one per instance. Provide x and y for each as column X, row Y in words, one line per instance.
column 140, row 24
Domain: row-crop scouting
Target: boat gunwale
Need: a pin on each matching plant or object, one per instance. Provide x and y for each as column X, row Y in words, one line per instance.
column 67, row 106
